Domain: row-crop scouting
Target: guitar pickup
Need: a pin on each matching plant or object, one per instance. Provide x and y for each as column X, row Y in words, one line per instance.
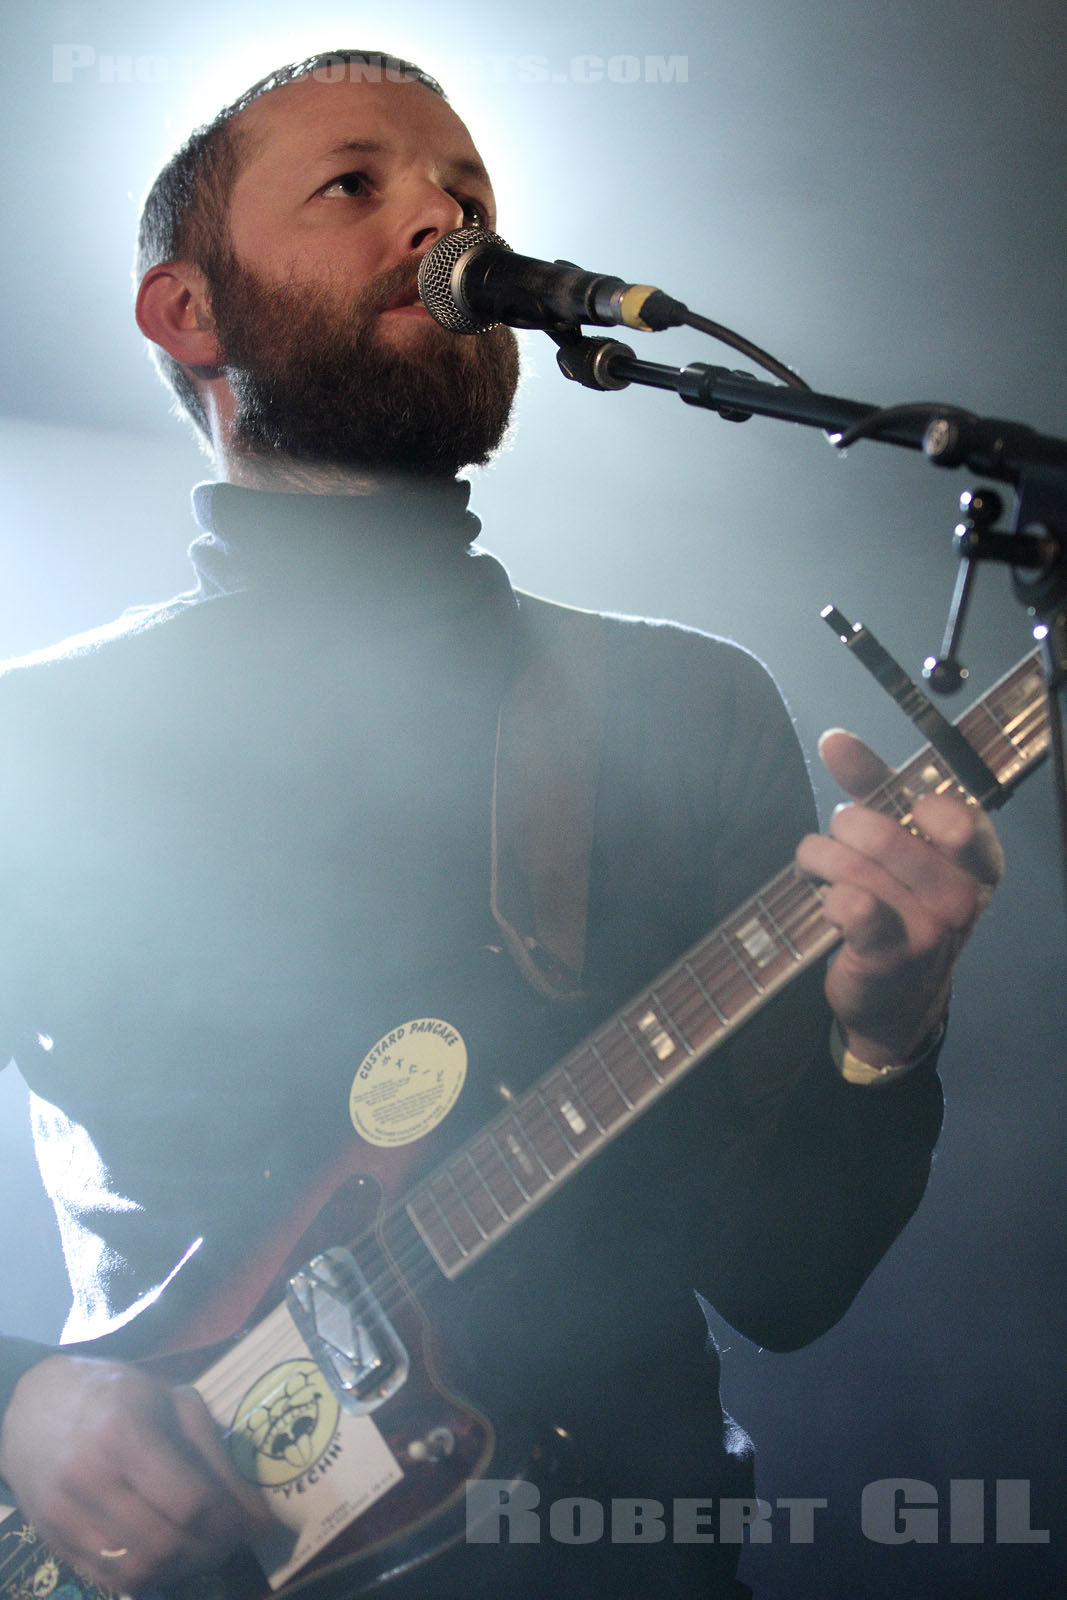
column 348, row 1333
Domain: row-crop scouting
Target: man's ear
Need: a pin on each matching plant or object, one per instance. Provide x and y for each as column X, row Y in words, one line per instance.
column 174, row 311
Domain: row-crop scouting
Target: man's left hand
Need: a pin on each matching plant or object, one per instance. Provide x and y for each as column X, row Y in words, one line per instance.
column 905, row 903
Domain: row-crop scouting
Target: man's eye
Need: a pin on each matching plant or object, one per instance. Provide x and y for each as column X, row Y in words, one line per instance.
column 353, row 184
column 476, row 214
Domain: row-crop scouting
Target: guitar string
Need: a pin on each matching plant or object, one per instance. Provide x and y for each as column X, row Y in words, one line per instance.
column 405, row 1283
column 618, row 1051
column 390, row 1284
column 406, row 1271
column 400, row 1273
column 395, row 1282
column 795, row 908
column 679, row 1014
column 455, row 1169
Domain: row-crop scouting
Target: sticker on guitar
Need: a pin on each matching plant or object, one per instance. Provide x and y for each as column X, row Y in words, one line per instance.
column 408, row 1082
column 287, row 1433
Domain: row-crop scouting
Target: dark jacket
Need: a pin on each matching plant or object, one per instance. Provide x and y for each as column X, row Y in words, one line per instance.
column 250, row 835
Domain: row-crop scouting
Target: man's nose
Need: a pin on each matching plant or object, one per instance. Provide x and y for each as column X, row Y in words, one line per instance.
column 430, row 213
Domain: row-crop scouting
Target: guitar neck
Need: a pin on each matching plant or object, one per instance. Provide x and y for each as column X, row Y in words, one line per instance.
column 491, row 1183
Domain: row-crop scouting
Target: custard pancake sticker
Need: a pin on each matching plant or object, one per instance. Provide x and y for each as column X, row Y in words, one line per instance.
column 408, row 1082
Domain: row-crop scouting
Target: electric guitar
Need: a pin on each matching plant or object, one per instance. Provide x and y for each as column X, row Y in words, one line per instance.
column 333, row 1400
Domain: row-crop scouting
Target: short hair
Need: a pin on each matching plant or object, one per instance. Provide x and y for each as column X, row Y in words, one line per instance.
column 184, row 212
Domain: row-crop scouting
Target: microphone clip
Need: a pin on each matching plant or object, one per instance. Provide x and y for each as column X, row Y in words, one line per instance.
column 589, row 361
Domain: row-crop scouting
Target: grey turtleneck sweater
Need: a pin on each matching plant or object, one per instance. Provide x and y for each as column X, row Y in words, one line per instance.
column 247, row 832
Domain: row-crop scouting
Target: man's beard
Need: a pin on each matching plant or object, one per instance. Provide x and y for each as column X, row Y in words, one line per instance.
column 314, row 381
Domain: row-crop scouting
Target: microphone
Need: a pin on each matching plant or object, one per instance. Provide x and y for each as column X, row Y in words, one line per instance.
column 471, row 279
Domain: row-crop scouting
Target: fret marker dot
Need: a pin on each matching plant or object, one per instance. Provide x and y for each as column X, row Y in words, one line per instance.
column 757, row 941
column 657, row 1036
column 572, row 1116
column 520, row 1155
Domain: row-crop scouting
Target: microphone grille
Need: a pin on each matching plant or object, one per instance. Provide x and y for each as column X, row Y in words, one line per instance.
column 435, row 278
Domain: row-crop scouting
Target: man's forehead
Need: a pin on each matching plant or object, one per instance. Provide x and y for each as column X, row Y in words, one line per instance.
column 313, row 118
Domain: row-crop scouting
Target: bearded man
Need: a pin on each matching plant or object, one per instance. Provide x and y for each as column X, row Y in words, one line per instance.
column 335, row 854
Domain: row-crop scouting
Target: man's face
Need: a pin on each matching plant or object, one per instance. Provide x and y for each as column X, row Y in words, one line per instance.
column 328, row 351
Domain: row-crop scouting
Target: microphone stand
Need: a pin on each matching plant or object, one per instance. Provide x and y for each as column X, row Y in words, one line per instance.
column 1034, row 464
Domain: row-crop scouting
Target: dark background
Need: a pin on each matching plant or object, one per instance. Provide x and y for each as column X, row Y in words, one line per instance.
column 876, row 193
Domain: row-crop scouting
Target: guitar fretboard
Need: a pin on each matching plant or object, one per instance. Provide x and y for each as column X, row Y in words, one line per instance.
column 478, row 1194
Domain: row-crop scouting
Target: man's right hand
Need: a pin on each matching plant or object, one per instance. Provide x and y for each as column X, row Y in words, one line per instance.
column 123, row 1476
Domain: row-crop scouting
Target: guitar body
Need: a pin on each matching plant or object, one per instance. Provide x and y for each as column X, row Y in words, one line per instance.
column 438, row 1439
